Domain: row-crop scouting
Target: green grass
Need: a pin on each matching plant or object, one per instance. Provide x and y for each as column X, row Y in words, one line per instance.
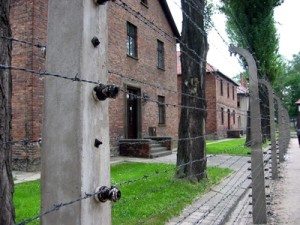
column 152, row 200
column 230, row 147
column 27, row 200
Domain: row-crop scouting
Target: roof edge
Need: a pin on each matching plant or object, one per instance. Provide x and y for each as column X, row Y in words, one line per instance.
column 224, row 76
column 169, row 16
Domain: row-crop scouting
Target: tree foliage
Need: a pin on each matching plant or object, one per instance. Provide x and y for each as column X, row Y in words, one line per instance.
column 288, row 85
column 251, row 25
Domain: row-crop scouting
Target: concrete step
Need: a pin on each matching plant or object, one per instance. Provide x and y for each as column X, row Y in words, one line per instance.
column 158, row 149
column 160, row 154
column 154, row 145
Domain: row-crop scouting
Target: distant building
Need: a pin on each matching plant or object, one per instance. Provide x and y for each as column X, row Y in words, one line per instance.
column 243, row 105
column 221, row 99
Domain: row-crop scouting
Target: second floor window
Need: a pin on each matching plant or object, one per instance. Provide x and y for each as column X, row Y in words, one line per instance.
column 131, row 40
column 233, row 92
column 160, row 55
column 221, row 86
column 228, row 90
column 161, row 110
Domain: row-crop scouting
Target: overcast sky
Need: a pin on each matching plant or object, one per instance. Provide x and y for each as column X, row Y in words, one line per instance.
column 287, row 17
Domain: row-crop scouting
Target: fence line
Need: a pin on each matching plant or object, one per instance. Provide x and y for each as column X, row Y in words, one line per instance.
column 283, row 143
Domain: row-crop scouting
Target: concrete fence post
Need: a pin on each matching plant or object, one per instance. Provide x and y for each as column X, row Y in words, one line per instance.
column 281, row 131
column 287, row 129
column 257, row 163
column 71, row 165
column 272, row 128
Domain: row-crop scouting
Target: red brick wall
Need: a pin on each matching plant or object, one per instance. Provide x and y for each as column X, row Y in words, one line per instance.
column 143, row 69
column 29, row 22
column 226, row 103
column 210, row 92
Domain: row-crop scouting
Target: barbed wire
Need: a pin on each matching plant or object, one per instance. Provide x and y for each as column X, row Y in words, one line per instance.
column 205, row 215
column 150, row 24
column 216, row 193
column 224, row 208
column 175, row 203
column 23, row 42
column 174, row 181
column 57, row 207
column 77, row 79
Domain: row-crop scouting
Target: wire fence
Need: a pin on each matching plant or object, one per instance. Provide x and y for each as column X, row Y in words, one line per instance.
column 228, row 190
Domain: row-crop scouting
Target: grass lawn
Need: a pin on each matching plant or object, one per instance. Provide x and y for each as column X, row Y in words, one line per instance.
column 230, row 147
column 152, row 200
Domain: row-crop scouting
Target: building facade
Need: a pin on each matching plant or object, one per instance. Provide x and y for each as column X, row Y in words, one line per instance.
column 243, row 106
column 221, row 102
column 138, row 55
column 221, row 97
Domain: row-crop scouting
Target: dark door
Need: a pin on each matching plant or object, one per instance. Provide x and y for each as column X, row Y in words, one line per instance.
column 228, row 118
column 133, row 104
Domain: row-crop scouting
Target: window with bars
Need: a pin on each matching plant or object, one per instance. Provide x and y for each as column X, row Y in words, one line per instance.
column 233, row 116
column 161, row 110
column 132, row 40
column 222, row 116
column 160, row 55
column 228, row 95
column 221, row 86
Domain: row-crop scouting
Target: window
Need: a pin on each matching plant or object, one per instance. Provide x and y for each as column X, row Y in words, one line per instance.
column 233, row 93
column 160, row 55
column 233, row 116
column 238, row 102
column 131, row 40
column 144, row 2
column 222, row 116
column 228, row 90
column 161, row 110
column 221, row 85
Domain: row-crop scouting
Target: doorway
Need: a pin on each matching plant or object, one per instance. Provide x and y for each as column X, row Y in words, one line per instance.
column 133, row 112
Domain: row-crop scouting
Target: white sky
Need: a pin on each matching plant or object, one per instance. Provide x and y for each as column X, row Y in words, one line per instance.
column 287, row 17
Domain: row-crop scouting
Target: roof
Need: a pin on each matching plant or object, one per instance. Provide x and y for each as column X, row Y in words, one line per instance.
column 298, row 102
column 209, row 69
column 169, row 16
column 242, row 90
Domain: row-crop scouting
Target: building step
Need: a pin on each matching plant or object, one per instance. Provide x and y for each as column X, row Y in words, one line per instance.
column 160, row 154
column 158, row 149
column 154, row 145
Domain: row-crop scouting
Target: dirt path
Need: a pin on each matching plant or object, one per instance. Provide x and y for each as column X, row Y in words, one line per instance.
column 287, row 198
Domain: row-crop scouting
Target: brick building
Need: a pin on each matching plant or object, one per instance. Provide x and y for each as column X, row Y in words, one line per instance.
column 221, row 100
column 135, row 50
column 221, row 95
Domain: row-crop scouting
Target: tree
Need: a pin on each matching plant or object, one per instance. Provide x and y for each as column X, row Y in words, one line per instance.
column 288, row 85
column 7, row 214
column 191, row 161
column 251, row 25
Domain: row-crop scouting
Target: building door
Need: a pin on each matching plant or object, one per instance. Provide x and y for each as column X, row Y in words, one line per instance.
column 228, row 118
column 133, row 112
